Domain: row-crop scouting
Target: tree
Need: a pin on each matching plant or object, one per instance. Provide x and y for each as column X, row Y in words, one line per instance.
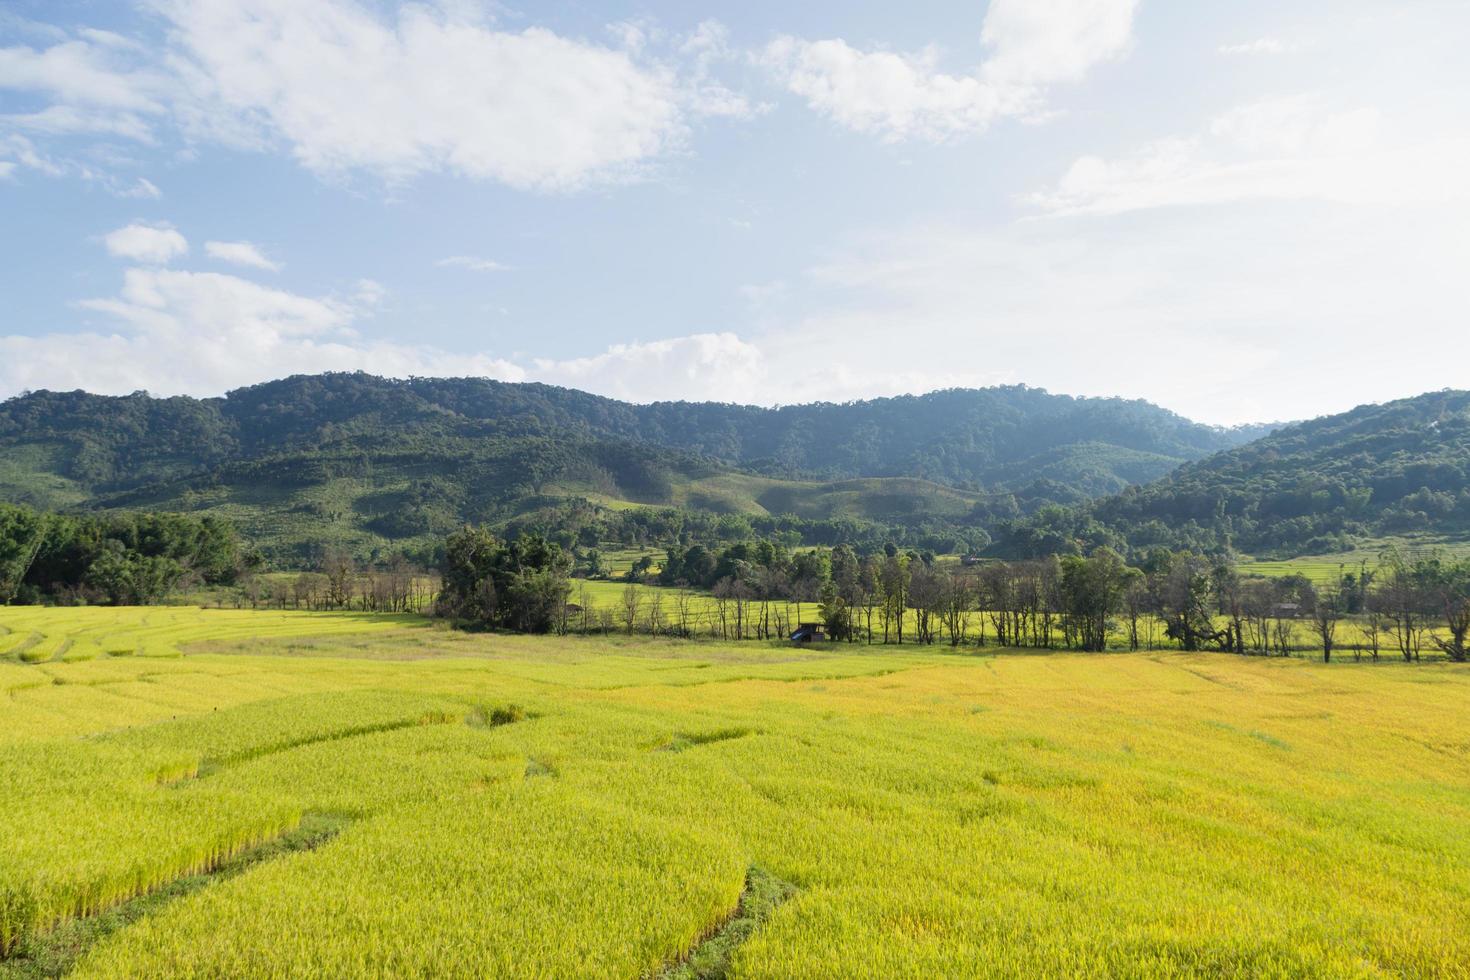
column 632, row 602
column 895, row 578
column 926, row 597
column 338, row 567
column 1093, row 590
column 1452, row 592
column 836, row 614
column 957, row 599
column 1404, row 599
column 1325, row 608
column 1136, row 606
column 129, row 578
column 520, row 585
column 1184, row 591
column 22, row 533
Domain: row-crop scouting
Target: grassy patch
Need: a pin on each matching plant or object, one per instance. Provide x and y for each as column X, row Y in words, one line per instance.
column 54, row 953
column 711, row 959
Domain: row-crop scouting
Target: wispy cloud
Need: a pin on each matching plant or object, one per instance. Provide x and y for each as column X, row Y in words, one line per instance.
column 906, row 95
column 1293, row 148
column 241, row 253
column 1261, row 45
column 156, row 244
column 347, row 87
column 472, row 263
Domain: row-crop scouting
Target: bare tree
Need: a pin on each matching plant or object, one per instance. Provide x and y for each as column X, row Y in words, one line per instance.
column 338, row 567
column 684, row 610
column 1325, row 608
column 584, row 600
column 632, row 603
column 655, row 617
column 1373, row 626
column 956, row 600
column 1403, row 602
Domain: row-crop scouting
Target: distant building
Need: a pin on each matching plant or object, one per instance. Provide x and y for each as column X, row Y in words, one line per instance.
column 810, row 633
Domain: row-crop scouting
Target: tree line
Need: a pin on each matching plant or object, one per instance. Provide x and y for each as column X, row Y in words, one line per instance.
column 338, row 581
column 119, row 558
column 758, row 589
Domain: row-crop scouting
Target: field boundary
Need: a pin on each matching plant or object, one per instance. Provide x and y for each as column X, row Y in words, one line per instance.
column 711, row 956
column 54, row 951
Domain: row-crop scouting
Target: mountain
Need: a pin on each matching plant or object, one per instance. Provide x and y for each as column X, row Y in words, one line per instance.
column 369, row 460
column 1311, row 488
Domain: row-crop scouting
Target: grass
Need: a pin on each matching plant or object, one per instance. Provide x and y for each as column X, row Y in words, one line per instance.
column 55, row 953
column 712, row 958
column 1329, row 569
column 637, row 806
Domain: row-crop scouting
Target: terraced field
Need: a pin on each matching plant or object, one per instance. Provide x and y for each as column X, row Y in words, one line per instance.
column 283, row 794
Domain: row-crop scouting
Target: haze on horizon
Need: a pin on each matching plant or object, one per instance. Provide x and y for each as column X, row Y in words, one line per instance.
column 1241, row 214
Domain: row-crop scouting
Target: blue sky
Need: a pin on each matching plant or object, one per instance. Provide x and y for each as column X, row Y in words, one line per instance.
column 1243, row 212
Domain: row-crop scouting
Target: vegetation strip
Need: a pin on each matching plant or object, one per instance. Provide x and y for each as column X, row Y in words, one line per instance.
column 711, row 958
column 209, row 767
column 55, row 952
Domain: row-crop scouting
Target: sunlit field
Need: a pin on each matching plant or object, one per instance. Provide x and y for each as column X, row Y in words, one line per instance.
column 270, row 793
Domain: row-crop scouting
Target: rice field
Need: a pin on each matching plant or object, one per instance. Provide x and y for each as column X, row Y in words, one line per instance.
column 289, row 794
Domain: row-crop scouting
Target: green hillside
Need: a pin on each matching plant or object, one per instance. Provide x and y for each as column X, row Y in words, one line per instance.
column 1320, row 487
column 372, row 463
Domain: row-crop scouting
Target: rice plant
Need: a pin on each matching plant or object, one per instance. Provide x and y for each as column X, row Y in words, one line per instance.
column 591, row 807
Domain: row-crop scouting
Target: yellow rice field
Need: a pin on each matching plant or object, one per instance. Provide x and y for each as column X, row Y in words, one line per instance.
column 595, row 806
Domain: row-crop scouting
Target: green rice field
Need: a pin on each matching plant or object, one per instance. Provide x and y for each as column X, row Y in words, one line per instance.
column 196, row 792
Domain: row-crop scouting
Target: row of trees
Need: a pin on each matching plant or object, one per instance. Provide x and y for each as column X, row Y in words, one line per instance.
column 340, row 582
column 579, row 526
column 757, row 589
column 123, row 559
column 1180, row 599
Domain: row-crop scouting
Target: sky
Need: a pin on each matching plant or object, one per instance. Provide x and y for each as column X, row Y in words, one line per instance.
column 1243, row 212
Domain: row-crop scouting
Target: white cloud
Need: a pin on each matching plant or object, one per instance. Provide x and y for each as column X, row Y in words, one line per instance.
column 1235, row 315
column 83, row 72
column 68, row 120
column 1031, row 45
column 896, row 96
column 23, row 153
column 142, row 188
column 155, row 244
column 18, row 153
column 370, row 292
column 1280, row 149
column 429, row 91
column 241, row 253
column 347, row 87
column 204, row 333
column 1204, row 312
column 1043, row 42
column 701, row 367
column 472, row 263
column 180, row 332
column 1261, row 45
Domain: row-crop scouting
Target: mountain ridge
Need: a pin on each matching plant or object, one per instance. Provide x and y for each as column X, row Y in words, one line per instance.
column 1317, row 486
column 374, row 461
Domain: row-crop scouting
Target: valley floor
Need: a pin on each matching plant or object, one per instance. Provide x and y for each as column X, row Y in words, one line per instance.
column 329, row 794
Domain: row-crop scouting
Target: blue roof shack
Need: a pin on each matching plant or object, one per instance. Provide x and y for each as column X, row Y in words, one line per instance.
column 809, row 633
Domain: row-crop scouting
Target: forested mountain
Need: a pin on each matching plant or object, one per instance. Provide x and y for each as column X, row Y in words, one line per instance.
column 1311, row 488
column 980, row 439
column 364, row 458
